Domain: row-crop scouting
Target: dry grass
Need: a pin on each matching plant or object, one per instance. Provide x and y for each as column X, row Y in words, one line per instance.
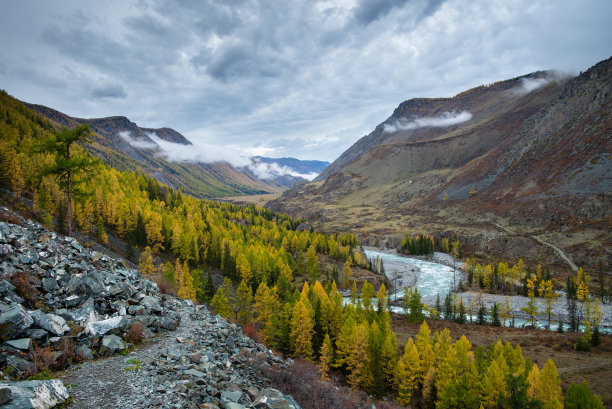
column 595, row 367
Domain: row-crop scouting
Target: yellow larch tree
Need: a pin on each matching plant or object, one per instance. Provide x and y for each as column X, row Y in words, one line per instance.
column 407, row 369
column 327, row 358
column 358, row 360
column 301, row 331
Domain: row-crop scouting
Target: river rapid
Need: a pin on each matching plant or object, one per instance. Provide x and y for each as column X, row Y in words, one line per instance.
column 435, row 276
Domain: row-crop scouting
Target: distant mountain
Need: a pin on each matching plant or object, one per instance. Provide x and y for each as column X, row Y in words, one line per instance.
column 495, row 165
column 126, row 146
column 286, row 172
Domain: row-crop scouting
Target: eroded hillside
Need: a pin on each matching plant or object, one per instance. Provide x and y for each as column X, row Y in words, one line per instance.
column 515, row 159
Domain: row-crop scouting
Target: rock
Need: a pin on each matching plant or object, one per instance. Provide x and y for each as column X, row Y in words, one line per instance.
column 111, row 344
column 136, row 310
column 23, row 344
column 170, row 321
column 35, row 394
column 230, row 342
column 274, row 399
column 50, row 322
column 84, row 352
column 195, row 372
column 113, row 325
column 232, row 396
column 21, row 366
column 151, row 304
column 5, row 394
column 37, row 334
column 14, row 322
column 231, row 405
column 49, row 284
column 89, row 284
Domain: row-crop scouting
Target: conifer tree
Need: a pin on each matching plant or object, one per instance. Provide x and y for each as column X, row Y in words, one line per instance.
column 327, row 358
column 495, row 382
column 68, row 163
column 382, row 295
column 301, row 331
column 347, row 274
column 358, row 361
column 367, row 292
column 244, row 297
column 549, row 387
column 220, row 304
column 407, row 369
column 145, row 263
column 186, row 289
column 389, row 360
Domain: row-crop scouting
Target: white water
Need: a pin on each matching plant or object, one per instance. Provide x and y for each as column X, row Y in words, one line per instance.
column 433, row 278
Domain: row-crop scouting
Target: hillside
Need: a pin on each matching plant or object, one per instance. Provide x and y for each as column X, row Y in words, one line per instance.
column 126, row 146
column 518, row 158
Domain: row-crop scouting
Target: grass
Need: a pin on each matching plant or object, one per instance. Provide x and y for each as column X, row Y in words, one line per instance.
column 135, row 365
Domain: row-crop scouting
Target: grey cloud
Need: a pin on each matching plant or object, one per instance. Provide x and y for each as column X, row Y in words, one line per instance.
column 368, row 11
column 109, row 91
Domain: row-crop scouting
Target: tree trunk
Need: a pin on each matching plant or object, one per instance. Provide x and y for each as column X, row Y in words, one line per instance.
column 69, row 205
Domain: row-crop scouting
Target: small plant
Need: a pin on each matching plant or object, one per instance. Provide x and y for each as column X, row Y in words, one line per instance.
column 43, row 358
column 44, row 375
column 166, row 288
column 582, row 344
column 23, row 287
column 135, row 334
column 135, row 365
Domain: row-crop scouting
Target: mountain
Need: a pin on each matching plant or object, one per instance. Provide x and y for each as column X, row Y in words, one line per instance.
column 126, row 146
column 524, row 165
column 286, row 172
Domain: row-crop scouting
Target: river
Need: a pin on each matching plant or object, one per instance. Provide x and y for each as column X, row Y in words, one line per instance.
column 433, row 278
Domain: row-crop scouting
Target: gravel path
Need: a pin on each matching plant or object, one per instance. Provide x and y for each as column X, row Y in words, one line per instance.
column 105, row 383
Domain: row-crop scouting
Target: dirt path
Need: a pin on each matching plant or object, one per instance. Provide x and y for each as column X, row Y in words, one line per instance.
column 559, row 252
column 105, row 383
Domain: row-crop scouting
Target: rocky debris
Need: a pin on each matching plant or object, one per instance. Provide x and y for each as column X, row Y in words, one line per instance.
column 33, row 394
column 82, row 298
column 192, row 367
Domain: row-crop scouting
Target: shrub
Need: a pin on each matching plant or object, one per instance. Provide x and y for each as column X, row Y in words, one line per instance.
column 250, row 330
column 43, row 358
column 135, row 334
column 67, row 349
column 582, row 344
column 22, row 281
column 166, row 288
column 580, row 396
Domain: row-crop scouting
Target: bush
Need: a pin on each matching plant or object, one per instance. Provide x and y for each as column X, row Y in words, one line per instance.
column 22, row 281
column 67, row 349
column 166, row 288
column 581, row 397
column 136, row 333
column 250, row 330
column 582, row 344
column 43, row 358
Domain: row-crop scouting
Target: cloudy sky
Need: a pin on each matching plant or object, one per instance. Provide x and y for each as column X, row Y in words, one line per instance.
column 282, row 78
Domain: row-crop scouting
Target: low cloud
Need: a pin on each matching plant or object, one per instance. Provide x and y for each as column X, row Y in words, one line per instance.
column 109, row 91
column 199, row 153
column 273, row 170
column 530, row 84
column 138, row 143
column 440, row 121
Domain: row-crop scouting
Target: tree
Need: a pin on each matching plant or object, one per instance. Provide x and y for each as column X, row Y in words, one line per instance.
column 327, row 357
column 186, row 288
column 382, row 295
column 456, row 253
column 548, row 389
column 358, row 360
column 581, row 397
column 145, row 263
column 367, row 292
column 531, row 308
column 68, row 163
column 546, row 290
column 220, row 304
column 407, row 369
column 244, row 297
column 389, row 360
column 347, row 274
column 412, row 305
column 301, row 330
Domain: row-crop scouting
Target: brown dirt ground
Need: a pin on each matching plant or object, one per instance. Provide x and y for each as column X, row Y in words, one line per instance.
column 595, row 367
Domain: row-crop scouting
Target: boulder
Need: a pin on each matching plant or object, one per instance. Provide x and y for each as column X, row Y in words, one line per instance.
column 88, row 284
column 84, row 352
column 111, row 344
column 5, row 394
column 151, row 304
column 49, row 284
column 170, row 321
column 14, row 322
column 22, row 344
column 114, row 325
column 50, row 322
column 35, row 394
column 274, row 399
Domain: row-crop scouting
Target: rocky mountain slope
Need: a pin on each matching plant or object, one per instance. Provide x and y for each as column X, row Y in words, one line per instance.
column 515, row 159
column 61, row 303
column 126, row 146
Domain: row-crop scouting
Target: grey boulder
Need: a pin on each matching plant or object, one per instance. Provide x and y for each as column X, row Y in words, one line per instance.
column 14, row 322
column 274, row 399
column 35, row 394
column 50, row 322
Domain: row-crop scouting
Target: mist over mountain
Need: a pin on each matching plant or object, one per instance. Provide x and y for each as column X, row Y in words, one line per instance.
column 200, row 170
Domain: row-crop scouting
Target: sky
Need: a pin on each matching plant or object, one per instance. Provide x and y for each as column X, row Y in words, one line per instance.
column 295, row 78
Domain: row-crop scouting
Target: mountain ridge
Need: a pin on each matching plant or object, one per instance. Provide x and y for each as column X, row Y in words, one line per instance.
column 532, row 156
